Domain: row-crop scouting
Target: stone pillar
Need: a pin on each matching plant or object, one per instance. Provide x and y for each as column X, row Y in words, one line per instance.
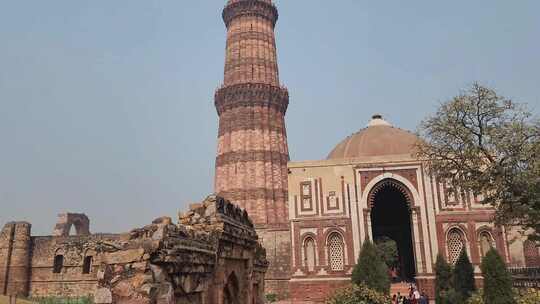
column 6, row 245
column 417, row 241
column 19, row 266
column 369, row 231
column 252, row 154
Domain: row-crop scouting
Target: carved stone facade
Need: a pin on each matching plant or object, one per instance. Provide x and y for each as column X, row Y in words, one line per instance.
column 252, row 154
column 211, row 256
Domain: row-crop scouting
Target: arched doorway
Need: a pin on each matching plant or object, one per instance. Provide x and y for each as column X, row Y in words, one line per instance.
column 231, row 290
column 391, row 218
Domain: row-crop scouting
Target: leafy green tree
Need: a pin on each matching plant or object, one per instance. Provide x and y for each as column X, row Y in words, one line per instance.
column 451, row 296
column 443, row 279
column 371, row 269
column 487, row 145
column 497, row 279
column 388, row 251
column 463, row 277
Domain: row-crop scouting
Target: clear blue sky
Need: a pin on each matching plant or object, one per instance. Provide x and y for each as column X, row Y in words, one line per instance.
column 106, row 107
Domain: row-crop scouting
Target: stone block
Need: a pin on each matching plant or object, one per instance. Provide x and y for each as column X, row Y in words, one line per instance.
column 164, row 220
column 124, row 256
column 103, row 296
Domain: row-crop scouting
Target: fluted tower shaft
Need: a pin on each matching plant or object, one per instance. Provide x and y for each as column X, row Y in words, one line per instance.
column 252, row 156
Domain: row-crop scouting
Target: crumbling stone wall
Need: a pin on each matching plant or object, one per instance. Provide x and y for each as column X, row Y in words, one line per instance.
column 212, row 256
column 71, row 280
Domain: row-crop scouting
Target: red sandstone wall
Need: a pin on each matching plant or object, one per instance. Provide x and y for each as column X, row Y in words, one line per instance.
column 278, row 252
column 316, row 291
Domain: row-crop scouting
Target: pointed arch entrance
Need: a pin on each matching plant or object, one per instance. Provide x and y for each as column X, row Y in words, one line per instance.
column 231, row 291
column 390, row 208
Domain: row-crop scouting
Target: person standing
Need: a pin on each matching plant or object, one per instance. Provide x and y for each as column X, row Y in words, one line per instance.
column 424, row 298
column 415, row 296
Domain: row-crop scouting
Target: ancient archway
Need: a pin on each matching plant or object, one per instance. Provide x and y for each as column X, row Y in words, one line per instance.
column 390, row 203
column 231, row 291
column 68, row 220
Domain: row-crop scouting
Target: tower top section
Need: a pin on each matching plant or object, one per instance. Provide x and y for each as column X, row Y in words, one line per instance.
column 257, row 8
column 251, row 46
column 234, row 1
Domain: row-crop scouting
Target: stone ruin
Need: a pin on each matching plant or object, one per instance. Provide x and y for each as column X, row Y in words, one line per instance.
column 212, row 256
column 68, row 220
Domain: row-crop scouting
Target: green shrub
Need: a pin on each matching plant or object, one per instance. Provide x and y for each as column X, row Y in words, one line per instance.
column 463, row 277
column 451, row 296
column 529, row 296
column 55, row 300
column 271, row 298
column 371, row 269
column 476, row 298
column 497, row 280
column 358, row 294
column 443, row 279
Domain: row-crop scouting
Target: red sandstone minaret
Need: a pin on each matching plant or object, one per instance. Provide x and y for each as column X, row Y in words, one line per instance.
column 252, row 156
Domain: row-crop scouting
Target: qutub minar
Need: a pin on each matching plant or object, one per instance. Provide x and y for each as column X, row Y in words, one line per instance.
column 312, row 217
column 252, row 156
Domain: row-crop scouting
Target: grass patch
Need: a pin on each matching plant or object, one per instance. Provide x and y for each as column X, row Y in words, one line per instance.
column 52, row 300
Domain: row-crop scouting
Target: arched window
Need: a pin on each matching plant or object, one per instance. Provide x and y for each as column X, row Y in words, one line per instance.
column 58, row 263
column 486, row 242
column 309, row 253
column 532, row 257
column 455, row 242
column 336, row 252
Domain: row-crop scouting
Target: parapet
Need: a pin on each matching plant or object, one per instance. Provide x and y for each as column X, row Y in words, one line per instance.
column 215, row 208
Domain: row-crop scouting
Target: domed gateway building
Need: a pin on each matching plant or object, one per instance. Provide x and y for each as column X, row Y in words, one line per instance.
column 371, row 186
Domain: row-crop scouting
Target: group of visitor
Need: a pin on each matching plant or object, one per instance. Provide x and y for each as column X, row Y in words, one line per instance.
column 414, row 297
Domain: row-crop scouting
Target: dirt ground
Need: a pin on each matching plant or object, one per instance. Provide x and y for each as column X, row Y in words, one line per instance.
column 5, row 300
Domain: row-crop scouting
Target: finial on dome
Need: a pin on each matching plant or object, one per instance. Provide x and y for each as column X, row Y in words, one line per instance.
column 377, row 120
column 234, row 1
